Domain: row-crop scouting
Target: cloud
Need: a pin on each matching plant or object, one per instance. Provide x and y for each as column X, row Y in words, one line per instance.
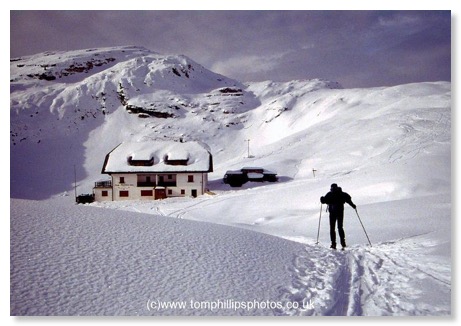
column 398, row 20
column 250, row 65
column 355, row 48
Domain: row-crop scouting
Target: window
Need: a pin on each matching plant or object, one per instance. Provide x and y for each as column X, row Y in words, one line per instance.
column 170, row 192
column 104, row 193
column 122, row 179
column 167, row 180
column 147, row 193
column 183, row 192
column 145, row 180
column 175, row 162
column 146, row 162
column 190, row 178
column 124, row 193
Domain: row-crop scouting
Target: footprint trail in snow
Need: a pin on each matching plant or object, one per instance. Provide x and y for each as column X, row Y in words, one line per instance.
column 393, row 278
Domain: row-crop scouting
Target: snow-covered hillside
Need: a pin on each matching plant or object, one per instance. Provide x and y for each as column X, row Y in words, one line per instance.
column 388, row 147
column 91, row 261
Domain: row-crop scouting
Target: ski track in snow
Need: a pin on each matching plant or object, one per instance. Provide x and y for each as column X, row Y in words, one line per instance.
column 392, row 278
column 388, row 279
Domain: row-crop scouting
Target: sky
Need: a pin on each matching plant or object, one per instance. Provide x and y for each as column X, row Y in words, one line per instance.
column 354, row 48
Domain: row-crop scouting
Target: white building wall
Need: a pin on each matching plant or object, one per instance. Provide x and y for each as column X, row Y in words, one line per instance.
column 102, row 194
column 205, row 182
column 124, row 186
column 189, row 182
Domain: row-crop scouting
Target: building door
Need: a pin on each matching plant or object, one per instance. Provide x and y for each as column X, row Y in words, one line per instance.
column 160, row 193
column 194, row 193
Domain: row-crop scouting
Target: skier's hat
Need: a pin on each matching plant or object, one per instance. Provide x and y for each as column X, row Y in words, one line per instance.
column 333, row 186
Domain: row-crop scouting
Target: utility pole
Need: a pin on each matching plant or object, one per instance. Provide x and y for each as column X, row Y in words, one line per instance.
column 313, row 171
column 247, row 140
column 75, row 183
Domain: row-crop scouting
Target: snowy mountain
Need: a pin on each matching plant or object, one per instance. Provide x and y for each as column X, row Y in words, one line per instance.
column 388, row 147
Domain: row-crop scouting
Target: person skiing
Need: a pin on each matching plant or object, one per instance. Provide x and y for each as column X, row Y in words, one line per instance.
column 335, row 199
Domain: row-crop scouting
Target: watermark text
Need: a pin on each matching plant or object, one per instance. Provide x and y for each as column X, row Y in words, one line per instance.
column 227, row 304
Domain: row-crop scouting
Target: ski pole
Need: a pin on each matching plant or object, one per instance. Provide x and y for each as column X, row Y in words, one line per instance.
column 320, row 218
column 363, row 227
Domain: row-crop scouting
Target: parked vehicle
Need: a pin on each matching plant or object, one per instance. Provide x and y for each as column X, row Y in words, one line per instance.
column 85, row 199
column 237, row 178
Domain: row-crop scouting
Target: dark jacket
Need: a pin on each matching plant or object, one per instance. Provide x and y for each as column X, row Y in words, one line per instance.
column 336, row 199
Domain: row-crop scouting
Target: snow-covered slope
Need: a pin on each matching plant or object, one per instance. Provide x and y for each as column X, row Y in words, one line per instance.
column 91, row 261
column 388, row 147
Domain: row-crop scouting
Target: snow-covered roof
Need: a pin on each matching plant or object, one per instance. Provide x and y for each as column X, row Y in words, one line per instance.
column 120, row 159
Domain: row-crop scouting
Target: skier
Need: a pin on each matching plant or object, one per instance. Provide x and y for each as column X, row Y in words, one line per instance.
column 335, row 199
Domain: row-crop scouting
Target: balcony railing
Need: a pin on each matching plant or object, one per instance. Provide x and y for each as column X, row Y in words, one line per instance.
column 108, row 184
column 167, row 183
column 146, row 184
column 103, row 184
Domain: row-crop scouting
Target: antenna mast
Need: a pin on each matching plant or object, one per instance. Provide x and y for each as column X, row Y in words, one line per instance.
column 75, row 183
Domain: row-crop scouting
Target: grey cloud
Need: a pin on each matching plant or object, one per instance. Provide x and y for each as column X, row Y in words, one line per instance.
column 356, row 48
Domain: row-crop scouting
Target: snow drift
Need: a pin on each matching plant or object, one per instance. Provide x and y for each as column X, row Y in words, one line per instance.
column 389, row 147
